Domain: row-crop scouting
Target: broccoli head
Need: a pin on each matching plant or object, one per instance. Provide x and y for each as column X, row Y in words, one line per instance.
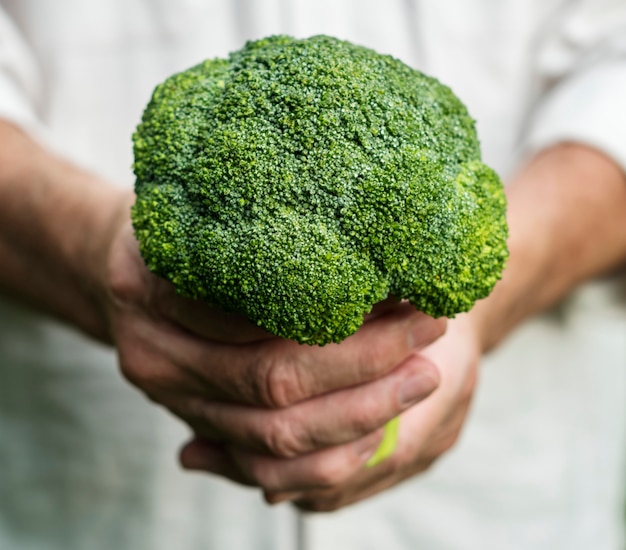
column 299, row 182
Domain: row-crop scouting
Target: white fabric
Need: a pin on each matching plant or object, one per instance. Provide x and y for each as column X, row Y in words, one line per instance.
column 590, row 106
column 18, row 77
column 87, row 463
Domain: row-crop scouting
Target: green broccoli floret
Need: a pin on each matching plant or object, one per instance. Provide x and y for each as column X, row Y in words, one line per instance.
column 300, row 182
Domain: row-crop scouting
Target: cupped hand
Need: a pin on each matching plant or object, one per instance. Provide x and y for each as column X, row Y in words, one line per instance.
column 240, row 387
column 334, row 477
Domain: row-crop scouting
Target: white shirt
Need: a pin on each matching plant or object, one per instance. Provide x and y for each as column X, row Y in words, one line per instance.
column 87, row 463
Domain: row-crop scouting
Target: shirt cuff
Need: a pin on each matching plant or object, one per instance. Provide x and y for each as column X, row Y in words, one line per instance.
column 587, row 107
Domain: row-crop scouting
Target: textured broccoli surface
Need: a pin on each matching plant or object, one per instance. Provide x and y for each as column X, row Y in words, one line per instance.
column 299, row 182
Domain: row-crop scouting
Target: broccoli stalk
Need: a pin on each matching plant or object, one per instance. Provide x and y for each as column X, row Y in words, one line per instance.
column 300, row 182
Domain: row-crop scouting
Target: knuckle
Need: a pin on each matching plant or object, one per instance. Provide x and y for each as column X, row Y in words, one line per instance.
column 329, row 473
column 278, row 385
column 146, row 374
column 124, row 280
column 135, row 368
column 259, row 374
column 281, row 438
column 373, row 360
column 148, row 371
column 260, row 472
column 123, row 286
column 368, row 416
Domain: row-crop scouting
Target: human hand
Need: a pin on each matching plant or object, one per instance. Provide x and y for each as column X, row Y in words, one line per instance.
column 235, row 384
column 332, row 478
column 540, row 271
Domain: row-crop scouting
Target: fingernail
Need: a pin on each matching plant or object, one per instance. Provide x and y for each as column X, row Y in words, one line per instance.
column 367, row 446
column 416, row 388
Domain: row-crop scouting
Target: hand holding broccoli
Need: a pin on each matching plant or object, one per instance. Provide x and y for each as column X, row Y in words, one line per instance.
column 247, row 391
column 332, row 478
column 299, row 183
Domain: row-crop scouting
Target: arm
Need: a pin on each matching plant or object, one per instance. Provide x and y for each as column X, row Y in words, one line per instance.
column 567, row 224
column 567, row 219
column 55, row 225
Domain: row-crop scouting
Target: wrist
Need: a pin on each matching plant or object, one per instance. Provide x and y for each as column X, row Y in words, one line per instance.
column 56, row 221
column 566, row 225
column 92, row 261
column 508, row 304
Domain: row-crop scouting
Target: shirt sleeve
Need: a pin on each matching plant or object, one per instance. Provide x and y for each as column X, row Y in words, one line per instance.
column 19, row 78
column 582, row 67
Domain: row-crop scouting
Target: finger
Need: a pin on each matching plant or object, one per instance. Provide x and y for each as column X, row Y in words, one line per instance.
column 210, row 322
column 326, row 468
column 213, row 323
column 133, row 287
column 426, row 433
column 385, row 306
column 200, row 454
column 278, row 373
column 374, row 350
column 366, row 483
column 202, row 319
column 325, row 421
column 144, row 354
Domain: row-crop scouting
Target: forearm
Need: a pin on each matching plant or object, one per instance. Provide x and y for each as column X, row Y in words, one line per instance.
column 55, row 223
column 567, row 221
